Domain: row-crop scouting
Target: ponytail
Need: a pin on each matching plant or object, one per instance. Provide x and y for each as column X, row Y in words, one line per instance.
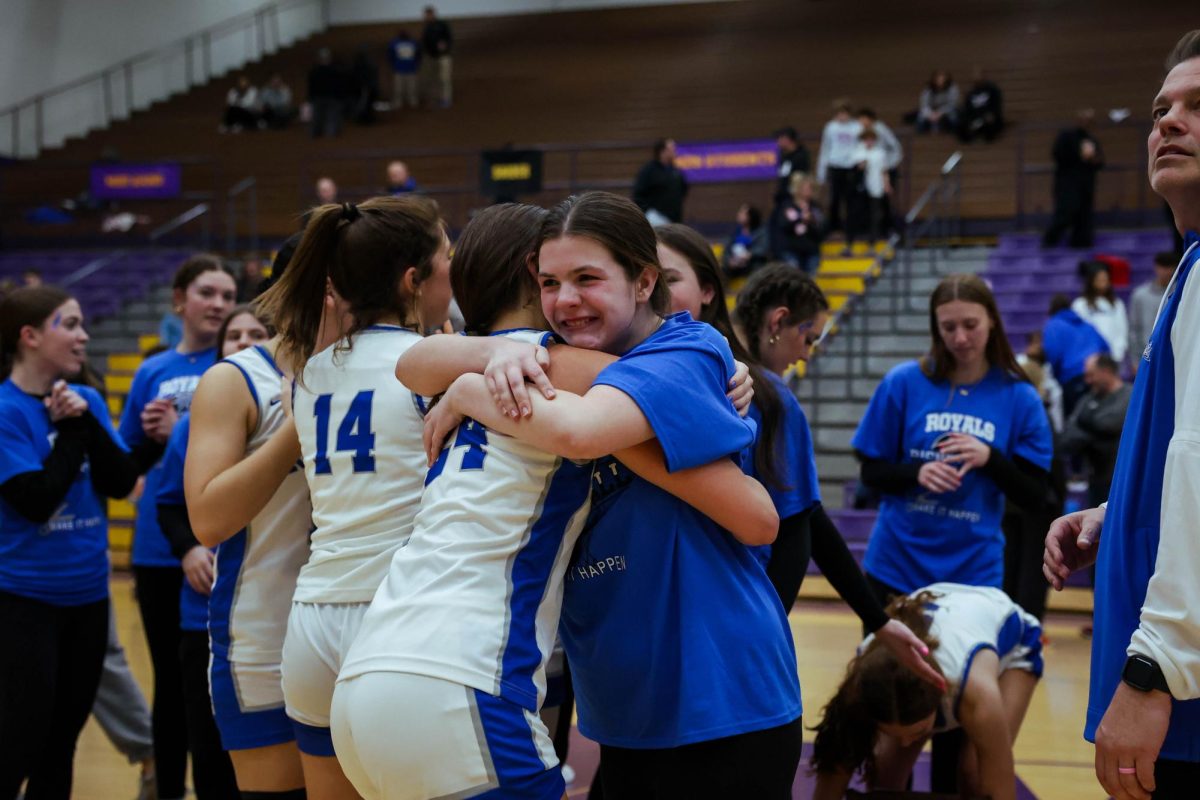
column 877, row 689
column 363, row 251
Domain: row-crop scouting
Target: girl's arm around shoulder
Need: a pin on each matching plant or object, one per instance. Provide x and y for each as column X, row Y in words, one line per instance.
column 982, row 715
column 224, row 490
column 720, row 491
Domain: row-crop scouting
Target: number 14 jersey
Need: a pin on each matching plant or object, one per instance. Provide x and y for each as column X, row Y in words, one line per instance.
column 360, row 435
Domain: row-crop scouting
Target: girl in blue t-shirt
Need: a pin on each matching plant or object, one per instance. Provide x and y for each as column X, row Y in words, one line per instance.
column 945, row 439
column 782, row 313
column 202, row 294
column 59, row 459
column 212, row 770
column 682, row 660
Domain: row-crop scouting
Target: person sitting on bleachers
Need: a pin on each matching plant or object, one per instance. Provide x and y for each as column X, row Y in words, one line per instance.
column 939, row 104
column 277, row 108
column 1100, row 306
column 799, row 227
column 747, row 246
column 982, row 110
column 1067, row 341
column 399, row 181
column 241, row 107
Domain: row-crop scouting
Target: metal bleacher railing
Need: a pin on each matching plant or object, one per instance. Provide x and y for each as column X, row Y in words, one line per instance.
column 115, row 92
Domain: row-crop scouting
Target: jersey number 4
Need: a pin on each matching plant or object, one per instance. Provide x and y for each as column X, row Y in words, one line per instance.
column 354, row 434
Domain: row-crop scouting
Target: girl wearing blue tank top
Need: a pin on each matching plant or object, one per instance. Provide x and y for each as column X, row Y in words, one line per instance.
column 468, row 613
column 989, row 650
column 781, row 313
column 680, row 652
column 387, row 259
column 945, row 440
column 202, row 294
column 59, row 459
column 212, row 771
column 227, row 485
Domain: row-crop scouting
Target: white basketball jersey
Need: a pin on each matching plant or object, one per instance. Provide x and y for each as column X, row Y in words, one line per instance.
column 360, row 433
column 256, row 569
column 967, row 619
column 475, row 597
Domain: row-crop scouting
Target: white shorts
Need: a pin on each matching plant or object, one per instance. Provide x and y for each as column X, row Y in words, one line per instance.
column 411, row 737
column 318, row 637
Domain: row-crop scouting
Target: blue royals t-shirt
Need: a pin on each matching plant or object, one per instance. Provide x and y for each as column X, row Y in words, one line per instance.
column 673, row 632
column 63, row 561
column 796, row 463
column 174, row 375
column 193, row 606
column 922, row 537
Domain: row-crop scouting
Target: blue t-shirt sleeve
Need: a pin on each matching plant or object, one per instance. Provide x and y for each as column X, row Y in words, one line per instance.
column 681, row 393
column 1032, row 439
column 17, row 454
column 796, row 462
column 131, row 416
column 170, row 487
column 880, row 433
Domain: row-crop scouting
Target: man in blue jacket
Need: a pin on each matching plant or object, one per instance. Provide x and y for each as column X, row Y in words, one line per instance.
column 1068, row 340
column 1144, row 704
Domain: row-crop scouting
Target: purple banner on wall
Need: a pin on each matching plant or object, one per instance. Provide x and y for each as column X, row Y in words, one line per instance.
column 135, row 181
column 712, row 162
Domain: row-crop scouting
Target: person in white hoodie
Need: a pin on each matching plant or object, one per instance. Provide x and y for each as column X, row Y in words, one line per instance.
column 835, row 164
column 1100, row 306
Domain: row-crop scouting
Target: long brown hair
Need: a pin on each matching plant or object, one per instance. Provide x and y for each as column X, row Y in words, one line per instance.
column 364, row 251
column 938, row 364
column 245, row 308
column 877, row 689
column 618, row 225
column 21, row 307
column 1089, row 270
column 490, row 269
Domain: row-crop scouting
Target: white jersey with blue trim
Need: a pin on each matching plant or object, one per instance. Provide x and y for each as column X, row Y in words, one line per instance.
column 476, row 595
column 255, row 571
column 966, row 619
column 360, row 434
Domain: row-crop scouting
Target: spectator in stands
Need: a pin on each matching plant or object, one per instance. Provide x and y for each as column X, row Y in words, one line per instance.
column 31, row 278
column 793, row 157
column 326, row 95
column 747, row 247
column 398, row 180
column 1094, row 428
column 872, row 187
column 660, row 186
column 436, row 64
column 799, row 227
column 364, row 87
column 938, row 110
column 278, row 110
column 982, row 110
column 1100, row 307
column 1068, row 340
column 404, row 54
column 835, row 162
column 1143, row 305
column 1077, row 159
column 170, row 330
column 327, row 191
column 250, row 278
column 241, row 108
column 894, row 156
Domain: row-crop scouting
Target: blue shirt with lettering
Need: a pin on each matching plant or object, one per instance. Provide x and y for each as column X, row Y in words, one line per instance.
column 193, row 606
column 63, row 561
column 673, row 632
column 171, row 375
column 797, row 488
column 922, row 537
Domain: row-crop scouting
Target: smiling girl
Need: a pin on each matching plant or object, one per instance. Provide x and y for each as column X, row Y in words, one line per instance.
column 59, row 459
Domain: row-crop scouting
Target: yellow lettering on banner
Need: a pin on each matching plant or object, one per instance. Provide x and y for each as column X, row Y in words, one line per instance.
column 116, row 181
column 151, row 181
column 688, row 162
column 743, row 159
column 512, row 172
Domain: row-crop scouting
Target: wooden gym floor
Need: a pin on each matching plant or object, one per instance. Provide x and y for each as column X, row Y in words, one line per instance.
column 1053, row 761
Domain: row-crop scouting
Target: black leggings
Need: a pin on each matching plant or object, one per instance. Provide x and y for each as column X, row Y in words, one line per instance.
column 760, row 764
column 212, row 771
column 158, row 600
column 50, row 666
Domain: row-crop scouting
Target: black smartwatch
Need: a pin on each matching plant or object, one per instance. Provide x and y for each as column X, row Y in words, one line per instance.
column 1144, row 674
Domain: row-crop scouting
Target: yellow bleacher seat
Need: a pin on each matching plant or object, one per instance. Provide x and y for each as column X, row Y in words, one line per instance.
column 118, row 384
column 120, row 537
column 124, row 362
column 116, row 405
column 147, row 341
column 841, row 283
column 121, row 510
